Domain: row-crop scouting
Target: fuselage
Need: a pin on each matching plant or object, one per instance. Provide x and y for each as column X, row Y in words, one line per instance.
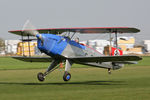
column 59, row 46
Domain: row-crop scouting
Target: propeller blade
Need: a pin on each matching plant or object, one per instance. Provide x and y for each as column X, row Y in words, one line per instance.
column 28, row 28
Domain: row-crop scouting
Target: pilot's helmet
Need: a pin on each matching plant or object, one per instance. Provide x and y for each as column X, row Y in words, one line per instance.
column 77, row 40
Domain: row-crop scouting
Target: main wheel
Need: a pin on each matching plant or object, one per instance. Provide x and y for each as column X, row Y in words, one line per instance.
column 67, row 76
column 40, row 77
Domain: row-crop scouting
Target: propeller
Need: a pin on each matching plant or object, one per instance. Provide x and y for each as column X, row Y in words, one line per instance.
column 29, row 29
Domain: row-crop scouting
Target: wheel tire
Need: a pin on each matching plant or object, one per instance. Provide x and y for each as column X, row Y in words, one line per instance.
column 67, row 76
column 40, row 77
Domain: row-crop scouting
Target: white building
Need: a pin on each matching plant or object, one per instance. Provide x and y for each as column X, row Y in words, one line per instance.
column 125, row 43
column 147, row 45
column 129, row 42
column 11, row 46
column 97, row 44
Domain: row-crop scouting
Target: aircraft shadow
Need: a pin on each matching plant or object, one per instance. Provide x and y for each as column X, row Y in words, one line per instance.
column 70, row 83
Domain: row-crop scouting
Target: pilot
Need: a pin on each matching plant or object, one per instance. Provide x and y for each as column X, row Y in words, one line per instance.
column 77, row 40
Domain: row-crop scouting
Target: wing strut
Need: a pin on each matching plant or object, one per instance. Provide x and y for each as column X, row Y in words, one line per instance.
column 28, row 39
column 116, row 42
column 73, row 35
column 22, row 43
column 29, row 46
column 110, row 50
column 116, row 36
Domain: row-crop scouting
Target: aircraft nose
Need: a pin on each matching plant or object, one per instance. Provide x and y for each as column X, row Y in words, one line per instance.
column 39, row 36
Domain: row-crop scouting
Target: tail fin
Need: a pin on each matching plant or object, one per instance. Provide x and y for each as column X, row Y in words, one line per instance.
column 115, row 51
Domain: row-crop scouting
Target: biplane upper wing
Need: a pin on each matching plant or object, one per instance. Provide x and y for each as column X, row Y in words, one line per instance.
column 81, row 30
column 106, row 59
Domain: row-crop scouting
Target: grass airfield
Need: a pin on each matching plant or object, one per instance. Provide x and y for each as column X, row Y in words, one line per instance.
column 18, row 82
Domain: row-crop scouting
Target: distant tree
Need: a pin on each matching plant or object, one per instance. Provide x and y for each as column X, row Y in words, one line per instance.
column 2, row 45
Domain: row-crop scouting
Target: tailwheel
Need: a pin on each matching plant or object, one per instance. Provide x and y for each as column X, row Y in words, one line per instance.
column 40, row 76
column 109, row 71
column 67, row 76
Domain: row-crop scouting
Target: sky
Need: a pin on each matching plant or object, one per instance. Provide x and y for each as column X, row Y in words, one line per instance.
column 75, row 13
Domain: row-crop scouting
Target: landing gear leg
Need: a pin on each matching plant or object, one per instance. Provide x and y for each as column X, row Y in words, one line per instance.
column 52, row 67
column 67, row 75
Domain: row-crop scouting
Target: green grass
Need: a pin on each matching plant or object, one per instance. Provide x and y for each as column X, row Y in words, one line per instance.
column 10, row 63
column 144, row 62
column 87, row 83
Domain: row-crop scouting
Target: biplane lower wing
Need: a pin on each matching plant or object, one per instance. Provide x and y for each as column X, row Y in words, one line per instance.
column 105, row 59
column 83, row 59
column 33, row 59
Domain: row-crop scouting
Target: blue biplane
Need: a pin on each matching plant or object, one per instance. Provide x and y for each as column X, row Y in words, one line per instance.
column 63, row 49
